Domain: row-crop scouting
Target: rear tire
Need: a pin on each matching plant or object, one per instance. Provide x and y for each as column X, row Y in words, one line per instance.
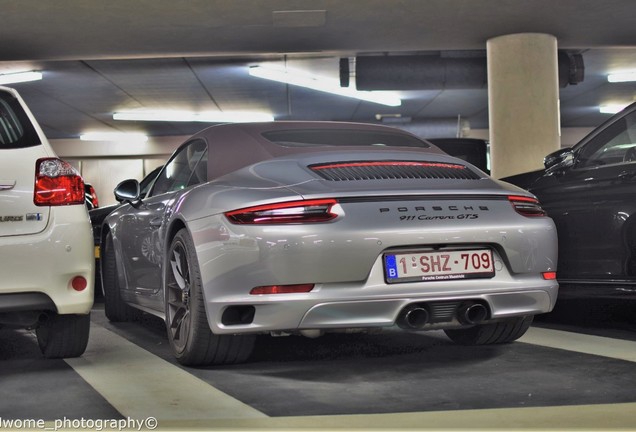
column 115, row 308
column 64, row 336
column 191, row 339
column 500, row 332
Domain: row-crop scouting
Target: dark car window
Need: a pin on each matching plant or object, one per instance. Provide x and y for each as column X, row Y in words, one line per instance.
column 147, row 181
column 188, row 167
column 16, row 130
column 614, row 145
column 342, row 137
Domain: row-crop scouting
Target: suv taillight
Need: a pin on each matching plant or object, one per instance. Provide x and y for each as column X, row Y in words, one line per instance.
column 57, row 183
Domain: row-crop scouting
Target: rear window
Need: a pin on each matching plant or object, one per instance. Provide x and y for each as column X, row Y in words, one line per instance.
column 341, row 137
column 16, row 130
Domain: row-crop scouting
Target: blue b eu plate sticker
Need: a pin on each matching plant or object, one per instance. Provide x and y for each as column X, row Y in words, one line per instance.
column 391, row 266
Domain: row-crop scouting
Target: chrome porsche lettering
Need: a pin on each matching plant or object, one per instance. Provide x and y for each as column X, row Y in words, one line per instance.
column 11, row 218
column 434, row 208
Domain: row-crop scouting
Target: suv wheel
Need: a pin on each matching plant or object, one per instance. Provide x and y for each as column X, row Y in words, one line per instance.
column 63, row 336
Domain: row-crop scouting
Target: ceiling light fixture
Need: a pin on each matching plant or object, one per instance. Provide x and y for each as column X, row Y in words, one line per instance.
column 621, row 77
column 611, row 109
column 302, row 79
column 189, row 116
column 18, row 77
column 119, row 137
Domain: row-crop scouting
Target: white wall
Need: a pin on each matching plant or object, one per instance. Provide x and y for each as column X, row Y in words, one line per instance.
column 105, row 164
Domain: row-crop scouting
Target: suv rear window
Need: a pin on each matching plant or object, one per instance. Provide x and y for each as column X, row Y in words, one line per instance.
column 16, row 130
column 341, row 137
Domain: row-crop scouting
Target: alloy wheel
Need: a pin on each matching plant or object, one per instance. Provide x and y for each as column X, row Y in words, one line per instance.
column 178, row 286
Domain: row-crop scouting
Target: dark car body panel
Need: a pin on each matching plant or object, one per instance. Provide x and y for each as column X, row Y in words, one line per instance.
column 590, row 193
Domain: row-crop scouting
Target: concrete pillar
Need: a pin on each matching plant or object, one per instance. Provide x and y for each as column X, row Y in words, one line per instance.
column 523, row 102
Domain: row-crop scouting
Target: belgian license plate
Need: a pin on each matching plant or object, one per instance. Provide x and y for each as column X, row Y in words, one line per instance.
column 439, row 265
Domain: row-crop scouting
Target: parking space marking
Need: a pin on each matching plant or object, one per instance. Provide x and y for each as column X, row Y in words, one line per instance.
column 140, row 384
column 582, row 343
column 601, row 417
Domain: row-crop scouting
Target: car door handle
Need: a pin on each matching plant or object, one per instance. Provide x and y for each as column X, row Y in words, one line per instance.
column 627, row 175
column 7, row 184
column 156, row 222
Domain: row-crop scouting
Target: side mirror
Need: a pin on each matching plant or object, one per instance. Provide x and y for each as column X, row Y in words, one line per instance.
column 559, row 159
column 128, row 190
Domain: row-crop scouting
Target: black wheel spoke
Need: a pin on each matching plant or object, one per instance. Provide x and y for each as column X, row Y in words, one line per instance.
column 178, row 296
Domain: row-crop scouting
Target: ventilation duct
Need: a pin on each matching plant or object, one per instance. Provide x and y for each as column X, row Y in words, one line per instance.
column 436, row 72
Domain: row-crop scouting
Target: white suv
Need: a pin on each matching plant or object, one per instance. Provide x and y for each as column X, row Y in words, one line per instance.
column 46, row 244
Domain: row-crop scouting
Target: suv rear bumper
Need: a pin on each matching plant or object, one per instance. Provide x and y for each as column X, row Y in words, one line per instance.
column 47, row 262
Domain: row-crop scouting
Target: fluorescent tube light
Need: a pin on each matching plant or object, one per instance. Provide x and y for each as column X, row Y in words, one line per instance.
column 119, row 137
column 189, row 116
column 621, row 77
column 18, row 77
column 298, row 78
column 611, row 109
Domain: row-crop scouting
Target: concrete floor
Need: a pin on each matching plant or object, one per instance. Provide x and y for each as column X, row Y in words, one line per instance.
column 574, row 369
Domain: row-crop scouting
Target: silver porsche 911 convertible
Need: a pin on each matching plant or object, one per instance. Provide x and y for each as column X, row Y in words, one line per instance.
column 313, row 227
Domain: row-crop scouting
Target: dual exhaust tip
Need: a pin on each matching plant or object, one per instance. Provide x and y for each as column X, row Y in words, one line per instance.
column 416, row 316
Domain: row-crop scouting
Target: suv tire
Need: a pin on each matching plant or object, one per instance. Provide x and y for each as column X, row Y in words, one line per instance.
column 64, row 336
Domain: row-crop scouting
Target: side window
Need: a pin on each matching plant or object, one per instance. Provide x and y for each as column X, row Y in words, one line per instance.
column 188, row 167
column 16, row 130
column 614, row 145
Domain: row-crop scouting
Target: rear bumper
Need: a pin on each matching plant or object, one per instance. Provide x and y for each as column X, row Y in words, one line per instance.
column 336, row 306
column 44, row 264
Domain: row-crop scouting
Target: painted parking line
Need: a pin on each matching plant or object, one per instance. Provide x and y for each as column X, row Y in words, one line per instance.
column 602, row 417
column 140, row 384
column 582, row 343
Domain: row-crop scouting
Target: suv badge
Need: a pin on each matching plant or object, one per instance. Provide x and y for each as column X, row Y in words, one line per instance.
column 11, row 218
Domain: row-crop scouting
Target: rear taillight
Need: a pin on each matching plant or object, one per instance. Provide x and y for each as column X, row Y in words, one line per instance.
column 308, row 211
column 526, row 206
column 57, row 183
column 92, row 195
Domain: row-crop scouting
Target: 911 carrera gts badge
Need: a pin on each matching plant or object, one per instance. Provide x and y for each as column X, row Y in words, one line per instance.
column 436, row 212
column 11, row 218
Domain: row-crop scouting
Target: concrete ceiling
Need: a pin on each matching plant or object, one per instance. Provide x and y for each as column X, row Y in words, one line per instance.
column 101, row 57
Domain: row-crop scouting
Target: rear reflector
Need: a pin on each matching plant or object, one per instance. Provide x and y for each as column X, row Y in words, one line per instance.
column 526, row 206
column 57, row 183
column 282, row 289
column 308, row 211
column 79, row 283
column 549, row 275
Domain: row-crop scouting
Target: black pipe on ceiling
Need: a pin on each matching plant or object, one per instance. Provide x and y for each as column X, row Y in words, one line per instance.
column 436, row 72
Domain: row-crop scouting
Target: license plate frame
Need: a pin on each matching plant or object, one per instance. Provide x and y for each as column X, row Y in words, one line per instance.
column 439, row 265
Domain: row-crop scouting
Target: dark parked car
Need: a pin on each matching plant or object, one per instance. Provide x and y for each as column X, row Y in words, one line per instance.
column 589, row 190
column 98, row 214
